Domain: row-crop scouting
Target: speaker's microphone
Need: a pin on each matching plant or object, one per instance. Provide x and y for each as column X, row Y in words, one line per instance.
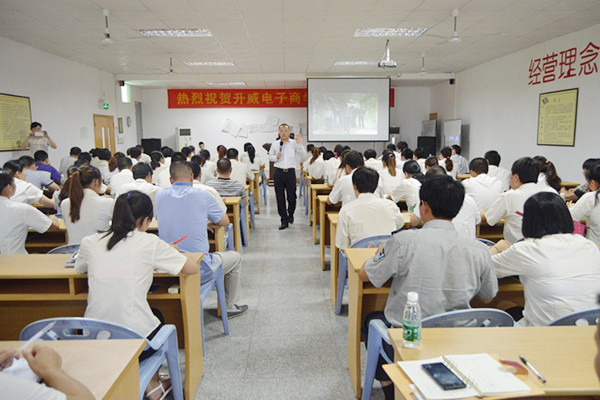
column 281, row 146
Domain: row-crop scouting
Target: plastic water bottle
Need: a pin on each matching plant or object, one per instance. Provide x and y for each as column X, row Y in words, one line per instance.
column 411, row 334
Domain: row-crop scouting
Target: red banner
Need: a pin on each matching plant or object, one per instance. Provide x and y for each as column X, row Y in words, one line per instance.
column 237, row 98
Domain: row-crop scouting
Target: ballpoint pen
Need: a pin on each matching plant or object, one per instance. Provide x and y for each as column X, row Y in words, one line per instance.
column 179, row 240
column 540, row 377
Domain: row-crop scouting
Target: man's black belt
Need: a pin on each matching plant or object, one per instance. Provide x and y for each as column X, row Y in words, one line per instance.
column 285, row 169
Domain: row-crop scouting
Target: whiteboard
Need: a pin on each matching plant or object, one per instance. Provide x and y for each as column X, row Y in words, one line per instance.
column 452, row 132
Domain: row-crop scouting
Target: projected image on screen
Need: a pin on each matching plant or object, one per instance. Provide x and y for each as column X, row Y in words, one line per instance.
column 348, row 109
column 345, row 114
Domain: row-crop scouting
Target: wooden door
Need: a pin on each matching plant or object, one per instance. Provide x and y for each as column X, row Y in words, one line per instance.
column 104, row 132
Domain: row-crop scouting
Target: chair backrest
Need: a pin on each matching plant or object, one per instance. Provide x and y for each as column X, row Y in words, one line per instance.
column 486, row 241
column 578, row 318
column 471, row 318
column 370, row 242
column 79, row 329
column 66, row 249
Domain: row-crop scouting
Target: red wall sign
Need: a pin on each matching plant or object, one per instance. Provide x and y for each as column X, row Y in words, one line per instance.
column 237, row 98
column 564, row 65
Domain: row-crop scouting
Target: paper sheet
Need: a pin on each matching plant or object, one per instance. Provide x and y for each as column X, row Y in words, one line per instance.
column 244, row 131
column 268, row 128
column 272, row 120
column 254, row 128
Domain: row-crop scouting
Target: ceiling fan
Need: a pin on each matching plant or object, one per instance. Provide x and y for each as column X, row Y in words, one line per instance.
column 456, row 38
column 108, row 39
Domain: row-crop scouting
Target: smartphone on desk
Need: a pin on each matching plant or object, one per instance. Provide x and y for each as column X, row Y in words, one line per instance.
column 444, row 376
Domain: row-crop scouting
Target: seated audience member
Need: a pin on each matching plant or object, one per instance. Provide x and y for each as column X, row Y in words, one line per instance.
column 340, row 170
column 145, row 158
column 39, row 179
column 60, row 195
column 42, row 164
column 466, row 220
column 224, row 185
column 406, row 155
column 142, row 173
column 461, row 163
column 368, row 215
column 342, row 190
column 315, row 166
column 120, row 264
column 85, row 212
column 124, row 176
column 186, row 152
column 192, row 150
column 420, row 156
column 25, row 191
column 168, row 153
column 484, row 189
column 135, row 154
column 16, row 218
column 197, row 171
column 164, row 178
column 84, row 158
column 587, row 206
column 46, row 363
column 330, row 167
column 391, row 178
column 402, row 145
column 157, row 162
column 100, row 161
column 371, row 160
column 523, row 181
column 409, row 187
column 209, row 168
column 430, row 162
column 69, row 160
column 221, row 152
column 445, row 268
column 185, row 210
column 560, row 272
column 548, row 177
column 113, row 168
column 576, row 193
column 446, row 162
column 239, row 171
column 252, row 160
column 503, row 175
column 35, row 141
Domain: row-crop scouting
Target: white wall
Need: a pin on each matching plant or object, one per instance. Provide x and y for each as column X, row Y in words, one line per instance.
column 501, row 109
column 64, row 95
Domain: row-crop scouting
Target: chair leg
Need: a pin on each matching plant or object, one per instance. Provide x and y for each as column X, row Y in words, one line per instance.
column 374, row 348
column 219, row 281
column 341, row 284
column 173, row 363
column 243, row 226
column 230, row 238
column 252, row 211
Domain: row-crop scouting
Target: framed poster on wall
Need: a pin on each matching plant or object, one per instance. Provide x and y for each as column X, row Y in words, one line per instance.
column 557, row 118
column 15, row 121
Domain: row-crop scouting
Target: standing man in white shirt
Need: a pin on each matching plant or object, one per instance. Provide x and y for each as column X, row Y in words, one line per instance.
column 283, row 153
column 484, row 189
column 502, row 174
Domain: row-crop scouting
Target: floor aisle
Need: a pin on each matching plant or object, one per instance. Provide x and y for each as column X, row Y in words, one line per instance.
column 290, row 344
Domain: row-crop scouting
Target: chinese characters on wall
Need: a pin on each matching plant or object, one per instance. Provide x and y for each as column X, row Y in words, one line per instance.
column 563, row 65
column 232, row 98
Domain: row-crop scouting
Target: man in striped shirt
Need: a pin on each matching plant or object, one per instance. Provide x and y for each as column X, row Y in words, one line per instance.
column 225, row 186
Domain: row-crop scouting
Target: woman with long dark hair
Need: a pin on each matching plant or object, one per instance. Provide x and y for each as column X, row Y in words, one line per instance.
column 560, row 271
column 315, row 166
column 446, row 162
column 587, row 207
column 409, row 187
column 390, row 178
column 251, row 159
column 120, row 264
column 548, row 176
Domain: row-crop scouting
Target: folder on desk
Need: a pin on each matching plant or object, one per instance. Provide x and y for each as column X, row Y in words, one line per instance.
column 483, row 375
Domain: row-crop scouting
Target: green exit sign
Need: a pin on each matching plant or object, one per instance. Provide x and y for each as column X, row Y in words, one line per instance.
column 105, row 106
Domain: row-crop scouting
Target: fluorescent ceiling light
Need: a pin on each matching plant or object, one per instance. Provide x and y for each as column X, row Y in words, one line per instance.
column 226, row 83
column 355, row 63
column 209, row 63
column 175, row 32
column 411, row 32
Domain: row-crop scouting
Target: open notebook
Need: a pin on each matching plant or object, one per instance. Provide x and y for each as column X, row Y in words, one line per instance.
column 483, row 375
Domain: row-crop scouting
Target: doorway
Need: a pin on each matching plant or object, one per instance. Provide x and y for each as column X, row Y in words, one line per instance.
column 104, row 132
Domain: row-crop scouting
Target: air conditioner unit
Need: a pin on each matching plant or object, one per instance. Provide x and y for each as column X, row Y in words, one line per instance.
column 183, row 137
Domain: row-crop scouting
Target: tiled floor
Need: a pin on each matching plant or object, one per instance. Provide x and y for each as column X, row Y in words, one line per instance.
column 290, row 344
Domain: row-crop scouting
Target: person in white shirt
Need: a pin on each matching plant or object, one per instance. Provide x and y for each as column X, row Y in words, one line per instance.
column 523, row 180
column 164, row 178
column 484, row 189
column 560, row 271
column 124, row 176
column 240, row 171
column 252, row 160
column 420, row 156
column 548, row 177
column 209, row 168
column 315, row 166
column 120, row 264
column 46, row 363
column 462, row 164
column 37, row 140
column 502, row 174
column 391, row 178
column 330, row 167
column 587, row 206
column 16, row 218
column 446, row 162
column 85, row 212
column 100, row 160
column 66, row 162
column 25, row 191
column 368, row 215
column 158, row 165
column 142, row 173
column 341, row 168
column 406, row 155
column 135, row 154
column 371, row 160
column 145, row 158
column 409, row 187
column 343, row 190
column 197, row 183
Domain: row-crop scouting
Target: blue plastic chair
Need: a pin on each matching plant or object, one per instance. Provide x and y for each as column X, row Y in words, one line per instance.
column 164, row 343
column 486, row 241
column 212, row 278
column 262, row 188
column 578, row 318
column 243, row 225
column 251, row 206
column 378, row 333
column 229, row 237
column 372, row 241
column 66, row 249
column 302, row 180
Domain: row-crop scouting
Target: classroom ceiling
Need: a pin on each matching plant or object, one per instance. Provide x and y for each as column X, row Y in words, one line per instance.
column 279, row 43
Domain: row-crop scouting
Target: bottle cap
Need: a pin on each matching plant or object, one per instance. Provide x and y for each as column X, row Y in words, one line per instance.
column 413, row 296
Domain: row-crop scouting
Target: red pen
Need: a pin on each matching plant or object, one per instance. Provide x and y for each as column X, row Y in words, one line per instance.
column 179, row 240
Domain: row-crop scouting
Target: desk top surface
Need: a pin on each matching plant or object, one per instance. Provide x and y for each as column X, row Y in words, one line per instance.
column 232, row 200
column 333, row 217
column 357, row 257
column 564, row 355
column 102, row 363
column 320, row 186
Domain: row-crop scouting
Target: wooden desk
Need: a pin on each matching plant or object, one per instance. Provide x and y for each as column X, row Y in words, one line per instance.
column 564, row 355
column 42, row 243
column 315, row 190
column 493, row 233
column 233, row 212
column 365, row 298
column 38, row 286
column 324, row 210
column 569, row 185
column 109, row 368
